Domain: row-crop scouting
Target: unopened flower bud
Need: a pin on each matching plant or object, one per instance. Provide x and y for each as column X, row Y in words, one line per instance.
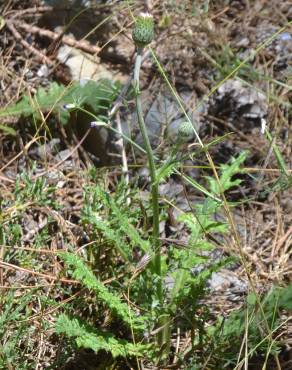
column 143, row 32
column 186, row 129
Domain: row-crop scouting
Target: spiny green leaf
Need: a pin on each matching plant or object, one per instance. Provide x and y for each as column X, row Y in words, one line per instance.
column 43, row 100
column 166, row 170
column 129, row 229
column 82, row 273
column 227, row 172
column 115, row 226
column 87, row 337
column 95, row 96
column 111, row 234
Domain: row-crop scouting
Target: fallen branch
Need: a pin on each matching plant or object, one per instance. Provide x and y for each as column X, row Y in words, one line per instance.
column 70, row 41
column 9, row 266
column 29, row 11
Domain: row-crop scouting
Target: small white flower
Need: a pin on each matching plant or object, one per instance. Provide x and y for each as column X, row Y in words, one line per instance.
column 97, row 124
column 145, row 15
column 69, row 106
column 263, row 125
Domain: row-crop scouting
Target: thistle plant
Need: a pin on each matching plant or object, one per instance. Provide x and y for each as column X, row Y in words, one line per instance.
column 143, row 34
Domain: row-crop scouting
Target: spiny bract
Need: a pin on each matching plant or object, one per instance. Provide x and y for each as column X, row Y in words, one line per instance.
column 186, row 129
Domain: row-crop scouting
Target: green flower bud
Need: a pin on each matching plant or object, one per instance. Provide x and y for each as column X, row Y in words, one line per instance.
column 143, row 32
column 186, row 129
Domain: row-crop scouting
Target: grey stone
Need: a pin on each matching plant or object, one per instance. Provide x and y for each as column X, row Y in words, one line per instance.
column 82, row 65
column 163, row 117
column 227, row 280
column 243, row 106
column 170, row 189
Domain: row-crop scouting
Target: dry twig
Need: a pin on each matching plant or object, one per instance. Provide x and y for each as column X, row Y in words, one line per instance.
column 41, row 57
column 70, row 41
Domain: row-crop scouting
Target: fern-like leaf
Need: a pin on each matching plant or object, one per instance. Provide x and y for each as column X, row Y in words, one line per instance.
column 87, row 337
column 94, row 96
column 120, row 309
column 115, row 226
column 166, row 170
column 43, row 100
column 202, row 223
column 129, row 229
column 110, row 234
column 227, row 172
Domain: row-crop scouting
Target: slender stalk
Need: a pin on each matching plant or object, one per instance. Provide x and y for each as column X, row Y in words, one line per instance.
column 152, row 170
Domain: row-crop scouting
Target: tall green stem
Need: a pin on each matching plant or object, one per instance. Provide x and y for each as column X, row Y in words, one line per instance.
column 152, row 170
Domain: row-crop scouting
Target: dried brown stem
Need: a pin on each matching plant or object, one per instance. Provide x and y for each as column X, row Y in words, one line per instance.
column 21, row 13
column 6, row 265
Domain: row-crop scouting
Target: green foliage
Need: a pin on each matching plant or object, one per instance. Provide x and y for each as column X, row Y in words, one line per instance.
column 227, row 172
column 284, row 297
column 43, row 100
column 116, row 227
column 35, row 190
column 168, row 167
column 111, row 300
column 107, row 218
column 18, row 209
column 188, row 268
column 202, row 223
column 284, row 182
column 7, row 130
column 228, row 334
column 13, row 315
column 97, row 97
column 166, row 170
column 227, row 61
column 87, row 337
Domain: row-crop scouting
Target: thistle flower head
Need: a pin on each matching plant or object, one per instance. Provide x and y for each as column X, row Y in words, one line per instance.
column 143, row 32
column 186, row 129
